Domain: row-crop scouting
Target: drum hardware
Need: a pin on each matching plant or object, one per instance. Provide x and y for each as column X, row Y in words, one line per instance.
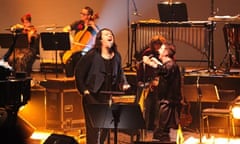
column 232, row 40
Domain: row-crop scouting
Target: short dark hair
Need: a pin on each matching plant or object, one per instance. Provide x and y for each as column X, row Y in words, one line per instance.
column 89, row 9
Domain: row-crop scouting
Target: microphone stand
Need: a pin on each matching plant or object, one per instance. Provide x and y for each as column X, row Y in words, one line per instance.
column 129, row 63
column 211, row 38
column 199, row 91
column 130, row 50
column 144, row 103
column 135, row 9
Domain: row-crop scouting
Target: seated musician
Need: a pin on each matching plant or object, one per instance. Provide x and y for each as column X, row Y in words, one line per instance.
column 146, row 78
column 83, row 32
column 22, row 59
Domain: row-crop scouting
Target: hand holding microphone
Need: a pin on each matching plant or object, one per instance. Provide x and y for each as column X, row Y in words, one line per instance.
column 151, row 61
column 156, row 61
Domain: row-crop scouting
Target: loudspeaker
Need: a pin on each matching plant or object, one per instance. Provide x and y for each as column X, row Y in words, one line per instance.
column 153, row 142
column 60, row 139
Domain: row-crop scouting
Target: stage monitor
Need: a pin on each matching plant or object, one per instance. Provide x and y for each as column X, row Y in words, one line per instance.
column 175, row 11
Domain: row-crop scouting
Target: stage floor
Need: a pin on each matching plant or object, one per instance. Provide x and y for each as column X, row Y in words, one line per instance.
column 41, row 133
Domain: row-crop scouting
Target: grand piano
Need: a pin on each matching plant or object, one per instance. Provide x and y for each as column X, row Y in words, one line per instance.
column 14, row 93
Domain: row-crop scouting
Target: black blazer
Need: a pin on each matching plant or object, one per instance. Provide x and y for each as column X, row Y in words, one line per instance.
column 90, row 72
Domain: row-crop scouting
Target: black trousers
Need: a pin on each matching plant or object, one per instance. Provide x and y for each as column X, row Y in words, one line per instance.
column 94, row 135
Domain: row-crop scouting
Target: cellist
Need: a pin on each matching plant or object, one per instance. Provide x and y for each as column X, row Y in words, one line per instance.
column 82, row 34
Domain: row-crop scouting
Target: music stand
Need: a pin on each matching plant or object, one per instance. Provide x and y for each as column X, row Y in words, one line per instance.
column 209, row 92
column 200, row 93
column 116, row 116
column 11, row 41
column 172, row 12
column 7, row 39
column 55, row 41
column 175, row 11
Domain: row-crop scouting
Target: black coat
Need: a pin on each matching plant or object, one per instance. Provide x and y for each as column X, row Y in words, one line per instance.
column 90, row 72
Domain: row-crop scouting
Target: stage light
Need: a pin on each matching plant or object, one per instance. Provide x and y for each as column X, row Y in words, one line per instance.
column 42, row 136
column 236, row 111
column 235, row 108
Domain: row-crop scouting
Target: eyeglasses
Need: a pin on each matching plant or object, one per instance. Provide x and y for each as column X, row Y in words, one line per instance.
column 84, row 14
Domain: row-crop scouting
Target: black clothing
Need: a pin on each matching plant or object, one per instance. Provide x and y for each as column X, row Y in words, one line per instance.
column 95, row 74
column 169, row 100
column 22, row 59
column 90, row 72
column 145, row 75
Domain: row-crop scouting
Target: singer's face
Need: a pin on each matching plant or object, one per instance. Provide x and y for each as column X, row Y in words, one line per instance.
column 107, row 38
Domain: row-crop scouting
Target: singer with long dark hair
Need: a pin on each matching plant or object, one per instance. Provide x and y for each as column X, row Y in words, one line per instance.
column 97, row 71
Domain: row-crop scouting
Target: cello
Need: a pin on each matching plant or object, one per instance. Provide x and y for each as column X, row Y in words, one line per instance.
column 80, row 41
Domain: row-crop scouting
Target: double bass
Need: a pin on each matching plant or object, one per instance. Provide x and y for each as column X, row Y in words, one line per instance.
column 80, row 41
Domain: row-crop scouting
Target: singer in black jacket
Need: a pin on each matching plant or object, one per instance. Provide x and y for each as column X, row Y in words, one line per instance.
column 97, row 71
column 148, row 81
column 169, row 97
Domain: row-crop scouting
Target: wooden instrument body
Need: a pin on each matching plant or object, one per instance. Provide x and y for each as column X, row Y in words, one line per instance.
column 81, row 40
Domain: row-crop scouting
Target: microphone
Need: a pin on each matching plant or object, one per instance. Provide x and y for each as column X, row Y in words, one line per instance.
column 156, row 61
column 149, row 56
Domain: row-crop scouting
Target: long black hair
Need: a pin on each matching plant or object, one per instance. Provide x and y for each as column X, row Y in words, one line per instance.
column 98, row 43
